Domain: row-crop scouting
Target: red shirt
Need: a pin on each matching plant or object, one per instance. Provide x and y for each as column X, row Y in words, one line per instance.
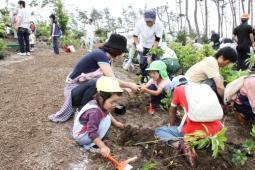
column 179, row 99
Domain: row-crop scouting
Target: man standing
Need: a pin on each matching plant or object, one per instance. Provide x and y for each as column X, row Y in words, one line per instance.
column 243, row 35
column 215, row 39
column 23, row 21
column 90, row 33
column 150, row 30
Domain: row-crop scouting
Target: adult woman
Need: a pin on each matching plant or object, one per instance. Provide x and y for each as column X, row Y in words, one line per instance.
column 92, row 66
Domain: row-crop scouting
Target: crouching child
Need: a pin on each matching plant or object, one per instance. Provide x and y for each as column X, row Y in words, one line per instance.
column 94, row 120
column 202, row 112
column 158, row 84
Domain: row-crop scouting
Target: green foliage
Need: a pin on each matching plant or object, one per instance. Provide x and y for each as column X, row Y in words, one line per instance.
column 240, row 157
column 181, row 37
column 207, row 50
column 200, row 140
column 43, row 30
column 102, row 34
column 230, row 75
column 205, row 40
column 156, row 52
column 165, row 103
column 149, row 166
column 2, row 46
column 251, row 60
column 252, row 133
column 187, row 55
column 68, row 40
column 61, row 16
column 4, row 21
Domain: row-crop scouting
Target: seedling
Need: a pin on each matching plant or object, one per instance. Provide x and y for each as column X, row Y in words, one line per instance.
column 251, row 61
column 165, row 103
column 200, row 140
column 158, row 52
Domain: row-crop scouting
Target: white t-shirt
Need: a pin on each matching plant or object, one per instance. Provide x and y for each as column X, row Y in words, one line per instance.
column 148, row 33
column 24, row 18
column 90, row 29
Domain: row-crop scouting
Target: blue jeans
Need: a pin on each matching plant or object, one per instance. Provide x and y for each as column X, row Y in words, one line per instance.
column 23, row 39
column 166, row 133
column 156, row 100
column 55, row 45
column 104, row 126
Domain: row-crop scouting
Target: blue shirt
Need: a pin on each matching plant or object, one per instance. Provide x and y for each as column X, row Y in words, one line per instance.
column 90, row 63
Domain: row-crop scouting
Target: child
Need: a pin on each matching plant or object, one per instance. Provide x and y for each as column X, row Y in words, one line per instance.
column 32, row 38
column 93, row 121
column 158, row 84
column 55, row 33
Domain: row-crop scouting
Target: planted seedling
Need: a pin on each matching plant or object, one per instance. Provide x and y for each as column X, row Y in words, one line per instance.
column 165, row 103
column 201, row 140
column 251, row 61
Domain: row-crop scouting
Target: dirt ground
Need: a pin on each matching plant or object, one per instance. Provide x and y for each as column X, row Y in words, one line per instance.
column 32, row 88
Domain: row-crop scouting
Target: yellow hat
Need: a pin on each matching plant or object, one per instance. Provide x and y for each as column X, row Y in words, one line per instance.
column 108, row 84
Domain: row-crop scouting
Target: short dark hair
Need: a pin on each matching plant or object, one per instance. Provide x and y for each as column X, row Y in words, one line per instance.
column 101, row 97
column 228, row 53
column 22, row 3
column 91, row 20
column 53, row 17
column 112, row 51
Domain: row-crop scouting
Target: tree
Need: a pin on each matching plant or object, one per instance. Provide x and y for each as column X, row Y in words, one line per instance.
column 110, row 21
column 61, row 16
column 206, row 19
column 195, row 19
column 96, row 16
column 82, row 16
column 187, row 16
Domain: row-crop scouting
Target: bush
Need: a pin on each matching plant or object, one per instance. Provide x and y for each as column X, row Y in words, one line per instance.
column 181, row 37
column 230, row 75
column 188, row 55
column 2, row 49
column 43, row 30
column 67, row 40
column 102, row 34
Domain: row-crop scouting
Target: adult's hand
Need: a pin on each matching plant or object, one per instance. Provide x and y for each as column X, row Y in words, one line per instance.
column 135, row 88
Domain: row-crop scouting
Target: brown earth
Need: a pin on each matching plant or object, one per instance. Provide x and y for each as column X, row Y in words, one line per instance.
column 32, row 88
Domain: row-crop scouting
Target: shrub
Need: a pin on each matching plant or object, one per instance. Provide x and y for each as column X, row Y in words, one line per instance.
column 230, row 75
column 66, row 40
column 2, row 49
column 251, row 60
column 102, row 34
column 43, row 30
column 61, row 16
column 181, row 37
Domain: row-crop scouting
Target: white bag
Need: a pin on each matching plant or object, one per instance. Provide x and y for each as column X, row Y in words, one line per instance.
column 203, row 103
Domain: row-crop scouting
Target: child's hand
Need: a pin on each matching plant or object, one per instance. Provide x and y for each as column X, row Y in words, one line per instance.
column 119, row 125
column 143, row 88
column 105, row 151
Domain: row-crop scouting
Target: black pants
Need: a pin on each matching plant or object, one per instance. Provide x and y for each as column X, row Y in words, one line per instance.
column 143, row 61
column 23, row 38
column 55, row 45
column 83, row 93
column 242, row 56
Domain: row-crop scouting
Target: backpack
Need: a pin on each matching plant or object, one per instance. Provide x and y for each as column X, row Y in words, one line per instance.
column 203, row 103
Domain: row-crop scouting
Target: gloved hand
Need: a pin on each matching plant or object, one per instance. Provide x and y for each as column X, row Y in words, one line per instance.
column 139, row 48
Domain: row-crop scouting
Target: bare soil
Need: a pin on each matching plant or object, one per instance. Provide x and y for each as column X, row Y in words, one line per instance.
column 32, row 88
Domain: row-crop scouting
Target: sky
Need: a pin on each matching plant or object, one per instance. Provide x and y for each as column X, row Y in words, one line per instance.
column 116, row 6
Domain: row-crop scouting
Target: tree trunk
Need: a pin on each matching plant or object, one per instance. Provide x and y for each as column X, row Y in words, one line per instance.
column 206, row 19
column 180, row 8
column 231, row 3
column 249, row 6
column 221, row 23
column 168, row 19
column 218, row 11
column 187, row 16
column 195, row 19
column 252, row 13
column 242, row 5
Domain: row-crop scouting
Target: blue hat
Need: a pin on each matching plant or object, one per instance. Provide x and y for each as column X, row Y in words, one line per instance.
column 177, row 81
column 150, row 15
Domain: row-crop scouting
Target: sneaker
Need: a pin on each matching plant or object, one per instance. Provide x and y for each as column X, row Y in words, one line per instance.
column 21, row 54
column 28, row 54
